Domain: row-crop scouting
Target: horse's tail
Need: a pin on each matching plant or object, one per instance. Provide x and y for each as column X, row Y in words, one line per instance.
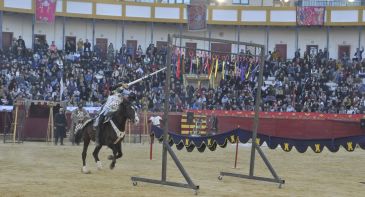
column 80, row 133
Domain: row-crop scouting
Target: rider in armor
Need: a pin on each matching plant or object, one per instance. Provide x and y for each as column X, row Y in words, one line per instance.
column 118, row 94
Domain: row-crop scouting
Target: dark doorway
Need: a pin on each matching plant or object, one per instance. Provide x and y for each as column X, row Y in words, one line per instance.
column 343, row 49
column 282, row 50
column 102, row 44
column 131, row 47
column 7, row 40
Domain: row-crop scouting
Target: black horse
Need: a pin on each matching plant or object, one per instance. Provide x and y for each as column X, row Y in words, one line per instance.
column 108, row 136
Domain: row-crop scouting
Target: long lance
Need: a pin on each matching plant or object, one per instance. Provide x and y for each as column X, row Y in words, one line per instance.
column 140, row 79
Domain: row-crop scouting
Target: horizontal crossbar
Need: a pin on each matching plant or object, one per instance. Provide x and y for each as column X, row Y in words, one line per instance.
column 174, row 184
column 253, row 177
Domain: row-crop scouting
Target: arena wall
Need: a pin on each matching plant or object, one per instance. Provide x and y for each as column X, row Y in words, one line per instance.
column 297, row 126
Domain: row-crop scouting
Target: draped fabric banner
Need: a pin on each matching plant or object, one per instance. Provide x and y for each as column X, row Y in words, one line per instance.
column 197, row 14
column 310, row 16
column 45, row 11
column 286, row 144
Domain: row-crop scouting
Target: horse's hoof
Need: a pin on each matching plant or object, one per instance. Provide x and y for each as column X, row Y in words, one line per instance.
column 84, row 170
column 110, row 157
column 112, row 165
column 99, row 166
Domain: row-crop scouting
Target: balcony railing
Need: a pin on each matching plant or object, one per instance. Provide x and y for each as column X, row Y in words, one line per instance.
column 330, row 3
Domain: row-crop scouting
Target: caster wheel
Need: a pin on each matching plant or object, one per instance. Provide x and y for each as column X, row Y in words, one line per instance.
column 196, row 192
column 220, row 178
column 134, row 183
column 279, row 186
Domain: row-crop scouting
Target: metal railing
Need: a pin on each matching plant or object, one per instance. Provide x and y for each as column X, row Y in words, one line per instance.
column 324, row 3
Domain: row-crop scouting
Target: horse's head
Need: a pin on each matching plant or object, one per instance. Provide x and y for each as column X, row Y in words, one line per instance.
column 128, row 111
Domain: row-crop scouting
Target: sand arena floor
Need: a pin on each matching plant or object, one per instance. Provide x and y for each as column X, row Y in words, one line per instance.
column 40, row 169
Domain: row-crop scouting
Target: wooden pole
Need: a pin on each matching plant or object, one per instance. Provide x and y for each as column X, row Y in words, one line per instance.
column 129, row 131
column 235, row 160
column 146, row 124
column 52, row 125
column 151, row 146
column 15, row 122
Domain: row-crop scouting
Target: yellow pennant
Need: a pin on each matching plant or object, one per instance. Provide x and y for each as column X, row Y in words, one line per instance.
column 318, row 148
column 186, row 141
column 197, row 64
column 286, row 147
column 248, row 71
column 223, row 65
column 209, row 142
column 216, row 68
column 349, row 146
column 232, row 139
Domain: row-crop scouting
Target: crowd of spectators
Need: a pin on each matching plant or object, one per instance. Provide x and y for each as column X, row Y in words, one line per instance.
column 81, row 73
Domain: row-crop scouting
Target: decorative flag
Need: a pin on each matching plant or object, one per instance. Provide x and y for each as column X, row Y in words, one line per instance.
column 62, row 88
column 254, row 72
column 210, row 70
column 309, row 16
column 45, row 11
column 197, row 64
column 178, row 65
column 248, row 71
column 223, row 65
column 197, row 15
column 183, row 56
column 191, row 61
column 243, row 68
column 216, row 68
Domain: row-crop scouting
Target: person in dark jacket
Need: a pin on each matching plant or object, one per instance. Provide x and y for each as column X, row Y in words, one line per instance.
column 60, row 126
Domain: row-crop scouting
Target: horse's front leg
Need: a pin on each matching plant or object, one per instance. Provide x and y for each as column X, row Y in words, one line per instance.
column 119, row 150
column 96, row 157
column 112, row 165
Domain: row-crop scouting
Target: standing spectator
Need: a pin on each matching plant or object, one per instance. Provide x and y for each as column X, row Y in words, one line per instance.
column 155, row 119
column 110, row 52
column 21, row 46
column 37, row 45
column 60, row 124
column 68, row 47
column 87, row 46
column 297, row 54
column 53, row 47
column 358, row 54
column 80, row 45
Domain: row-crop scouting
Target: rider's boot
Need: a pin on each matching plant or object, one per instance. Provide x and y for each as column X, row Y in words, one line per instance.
column 97, row 129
